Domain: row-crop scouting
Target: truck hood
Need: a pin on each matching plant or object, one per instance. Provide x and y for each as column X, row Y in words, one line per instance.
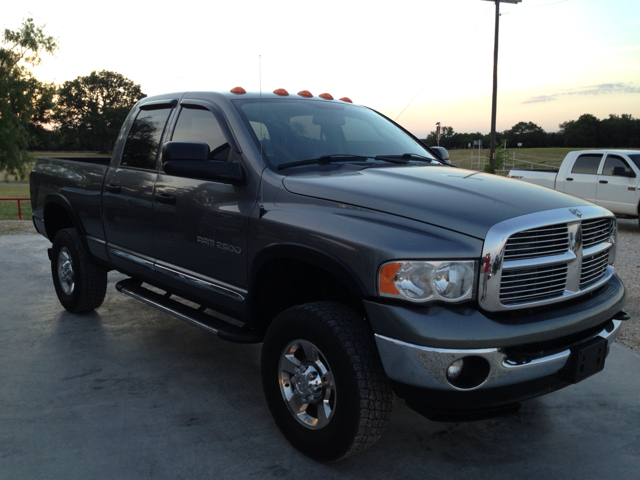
column 464, row 201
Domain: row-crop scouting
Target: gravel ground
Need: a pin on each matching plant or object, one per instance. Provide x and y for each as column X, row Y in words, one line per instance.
column 627, row 268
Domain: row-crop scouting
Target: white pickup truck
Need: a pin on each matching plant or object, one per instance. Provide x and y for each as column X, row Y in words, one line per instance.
column 609, row 178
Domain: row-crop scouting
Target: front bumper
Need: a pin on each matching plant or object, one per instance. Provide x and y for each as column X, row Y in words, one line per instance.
column 518, row 355
column 426, row 367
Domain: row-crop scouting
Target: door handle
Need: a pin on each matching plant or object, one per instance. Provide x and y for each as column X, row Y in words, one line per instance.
column 166, row 199
column 569, row 179
column 603, row 181
column 113, row 188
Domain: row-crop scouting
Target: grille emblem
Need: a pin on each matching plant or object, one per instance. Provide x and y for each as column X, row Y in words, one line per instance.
column 576, row 212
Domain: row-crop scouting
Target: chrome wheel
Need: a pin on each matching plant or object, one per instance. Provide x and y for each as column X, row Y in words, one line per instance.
column 65, row 271
column 307, row 384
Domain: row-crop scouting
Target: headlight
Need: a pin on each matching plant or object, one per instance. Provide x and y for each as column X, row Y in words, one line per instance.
column 420, row 281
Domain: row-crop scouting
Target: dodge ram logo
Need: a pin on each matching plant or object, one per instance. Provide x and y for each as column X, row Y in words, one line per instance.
column 576, row 212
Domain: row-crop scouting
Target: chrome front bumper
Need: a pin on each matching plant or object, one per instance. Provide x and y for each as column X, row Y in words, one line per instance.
column 426, row 367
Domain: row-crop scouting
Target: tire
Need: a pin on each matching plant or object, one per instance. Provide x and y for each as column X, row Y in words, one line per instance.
column 324, row 382
column 80, row 284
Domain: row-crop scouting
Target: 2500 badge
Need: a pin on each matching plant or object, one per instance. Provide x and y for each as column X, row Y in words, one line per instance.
column 222, row 246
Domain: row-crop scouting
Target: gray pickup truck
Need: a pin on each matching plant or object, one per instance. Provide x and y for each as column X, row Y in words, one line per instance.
column 365, row 264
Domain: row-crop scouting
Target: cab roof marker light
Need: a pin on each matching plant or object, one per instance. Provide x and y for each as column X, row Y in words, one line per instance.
column 238, row 91
column 305, row 93
column 326, row 96
column 281, row 91
column 346, row 99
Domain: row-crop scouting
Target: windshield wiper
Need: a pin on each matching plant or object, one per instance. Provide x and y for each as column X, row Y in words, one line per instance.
column 324, row 160
column 404, row 158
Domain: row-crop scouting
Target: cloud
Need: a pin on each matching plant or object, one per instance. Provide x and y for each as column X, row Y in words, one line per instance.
column 541, row 99
column 602, row 89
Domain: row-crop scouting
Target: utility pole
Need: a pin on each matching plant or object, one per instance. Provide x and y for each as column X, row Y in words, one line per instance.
column 494, row 100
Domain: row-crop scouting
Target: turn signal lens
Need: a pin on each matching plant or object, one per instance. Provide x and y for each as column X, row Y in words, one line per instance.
column 387, row 276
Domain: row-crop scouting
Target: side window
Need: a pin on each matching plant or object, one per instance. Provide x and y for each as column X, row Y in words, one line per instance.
column 613, row 161
column 587, row 164
column 141, row 149
column 200, row 125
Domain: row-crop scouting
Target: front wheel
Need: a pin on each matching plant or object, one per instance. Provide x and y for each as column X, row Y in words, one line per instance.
column 324, row 381
column 80, row 284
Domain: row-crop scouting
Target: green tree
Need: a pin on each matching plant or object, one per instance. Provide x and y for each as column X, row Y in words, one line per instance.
column 92, row 108
column 582, row 132
column 23, row 99
column 527, row 133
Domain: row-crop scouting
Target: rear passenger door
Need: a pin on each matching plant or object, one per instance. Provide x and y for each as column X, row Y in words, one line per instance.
column 617, row 192
column 201, row 225
column 128, row 193
column 582, row 181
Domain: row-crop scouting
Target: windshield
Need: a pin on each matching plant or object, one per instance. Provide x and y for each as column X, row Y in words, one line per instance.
column 294, row 131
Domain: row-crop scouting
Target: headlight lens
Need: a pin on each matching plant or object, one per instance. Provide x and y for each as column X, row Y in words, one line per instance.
column 422, row 281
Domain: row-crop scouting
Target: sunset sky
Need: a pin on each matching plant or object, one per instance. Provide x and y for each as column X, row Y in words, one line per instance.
column 420, row 61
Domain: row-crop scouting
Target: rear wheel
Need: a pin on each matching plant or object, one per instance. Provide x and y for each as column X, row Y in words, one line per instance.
column 80, row 284
column 324, row 381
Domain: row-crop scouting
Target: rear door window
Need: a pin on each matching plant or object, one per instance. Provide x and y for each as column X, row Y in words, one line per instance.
column 141, row 149
column 587, row 163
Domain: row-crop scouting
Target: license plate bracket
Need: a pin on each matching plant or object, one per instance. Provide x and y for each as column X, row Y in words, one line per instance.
column 586, row 360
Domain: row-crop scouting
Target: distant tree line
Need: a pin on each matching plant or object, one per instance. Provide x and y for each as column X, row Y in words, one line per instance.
column 617, row 131
column 81, row 114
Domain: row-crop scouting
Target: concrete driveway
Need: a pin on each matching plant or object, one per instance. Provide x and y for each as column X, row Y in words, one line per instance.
column 128, row 392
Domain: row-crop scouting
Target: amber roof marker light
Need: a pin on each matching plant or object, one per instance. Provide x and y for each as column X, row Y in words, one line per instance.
column 326, row 96
column 281, row 91
column 305, row 93
column 346, row 99
column 238, row 91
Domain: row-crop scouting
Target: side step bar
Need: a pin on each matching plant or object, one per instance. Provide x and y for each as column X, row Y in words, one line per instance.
column 197, row 317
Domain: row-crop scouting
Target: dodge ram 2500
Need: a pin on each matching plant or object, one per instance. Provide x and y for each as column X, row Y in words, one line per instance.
column 363, row 262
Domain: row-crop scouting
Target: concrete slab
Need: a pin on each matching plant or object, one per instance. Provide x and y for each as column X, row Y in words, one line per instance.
column 128, row 392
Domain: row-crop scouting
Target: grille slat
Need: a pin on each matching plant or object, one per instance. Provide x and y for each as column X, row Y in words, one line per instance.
column 537, row 242
column 593, row 268
column 596, row 231
column 533, row 284
column 537, row 283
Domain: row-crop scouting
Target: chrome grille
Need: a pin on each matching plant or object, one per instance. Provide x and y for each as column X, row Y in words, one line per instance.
column 538, row 242
column 546, row 257
column 596, row 231
column 533, row 284
column 593, row 268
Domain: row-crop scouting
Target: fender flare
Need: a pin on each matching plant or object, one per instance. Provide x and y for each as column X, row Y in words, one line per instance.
column 311, row 256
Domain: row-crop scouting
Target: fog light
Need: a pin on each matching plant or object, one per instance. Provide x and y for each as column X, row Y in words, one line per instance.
column 455, row 369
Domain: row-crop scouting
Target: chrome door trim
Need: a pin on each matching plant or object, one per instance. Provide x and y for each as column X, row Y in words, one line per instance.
column 208, row 284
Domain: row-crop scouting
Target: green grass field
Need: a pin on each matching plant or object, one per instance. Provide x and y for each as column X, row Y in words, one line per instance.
column 523, row 158
column 9, row 209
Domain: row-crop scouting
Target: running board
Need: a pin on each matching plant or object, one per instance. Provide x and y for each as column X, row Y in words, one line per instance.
column 197, row 317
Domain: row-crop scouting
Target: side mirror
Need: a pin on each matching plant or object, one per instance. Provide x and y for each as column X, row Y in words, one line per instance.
column 190, row 160
column 174, row 151
column 442, row 153
column 622, row 172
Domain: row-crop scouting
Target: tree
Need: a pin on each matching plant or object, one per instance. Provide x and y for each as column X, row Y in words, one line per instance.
column 582, row 132
column 527, row 133
column 93, row 107
column 23, row 99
